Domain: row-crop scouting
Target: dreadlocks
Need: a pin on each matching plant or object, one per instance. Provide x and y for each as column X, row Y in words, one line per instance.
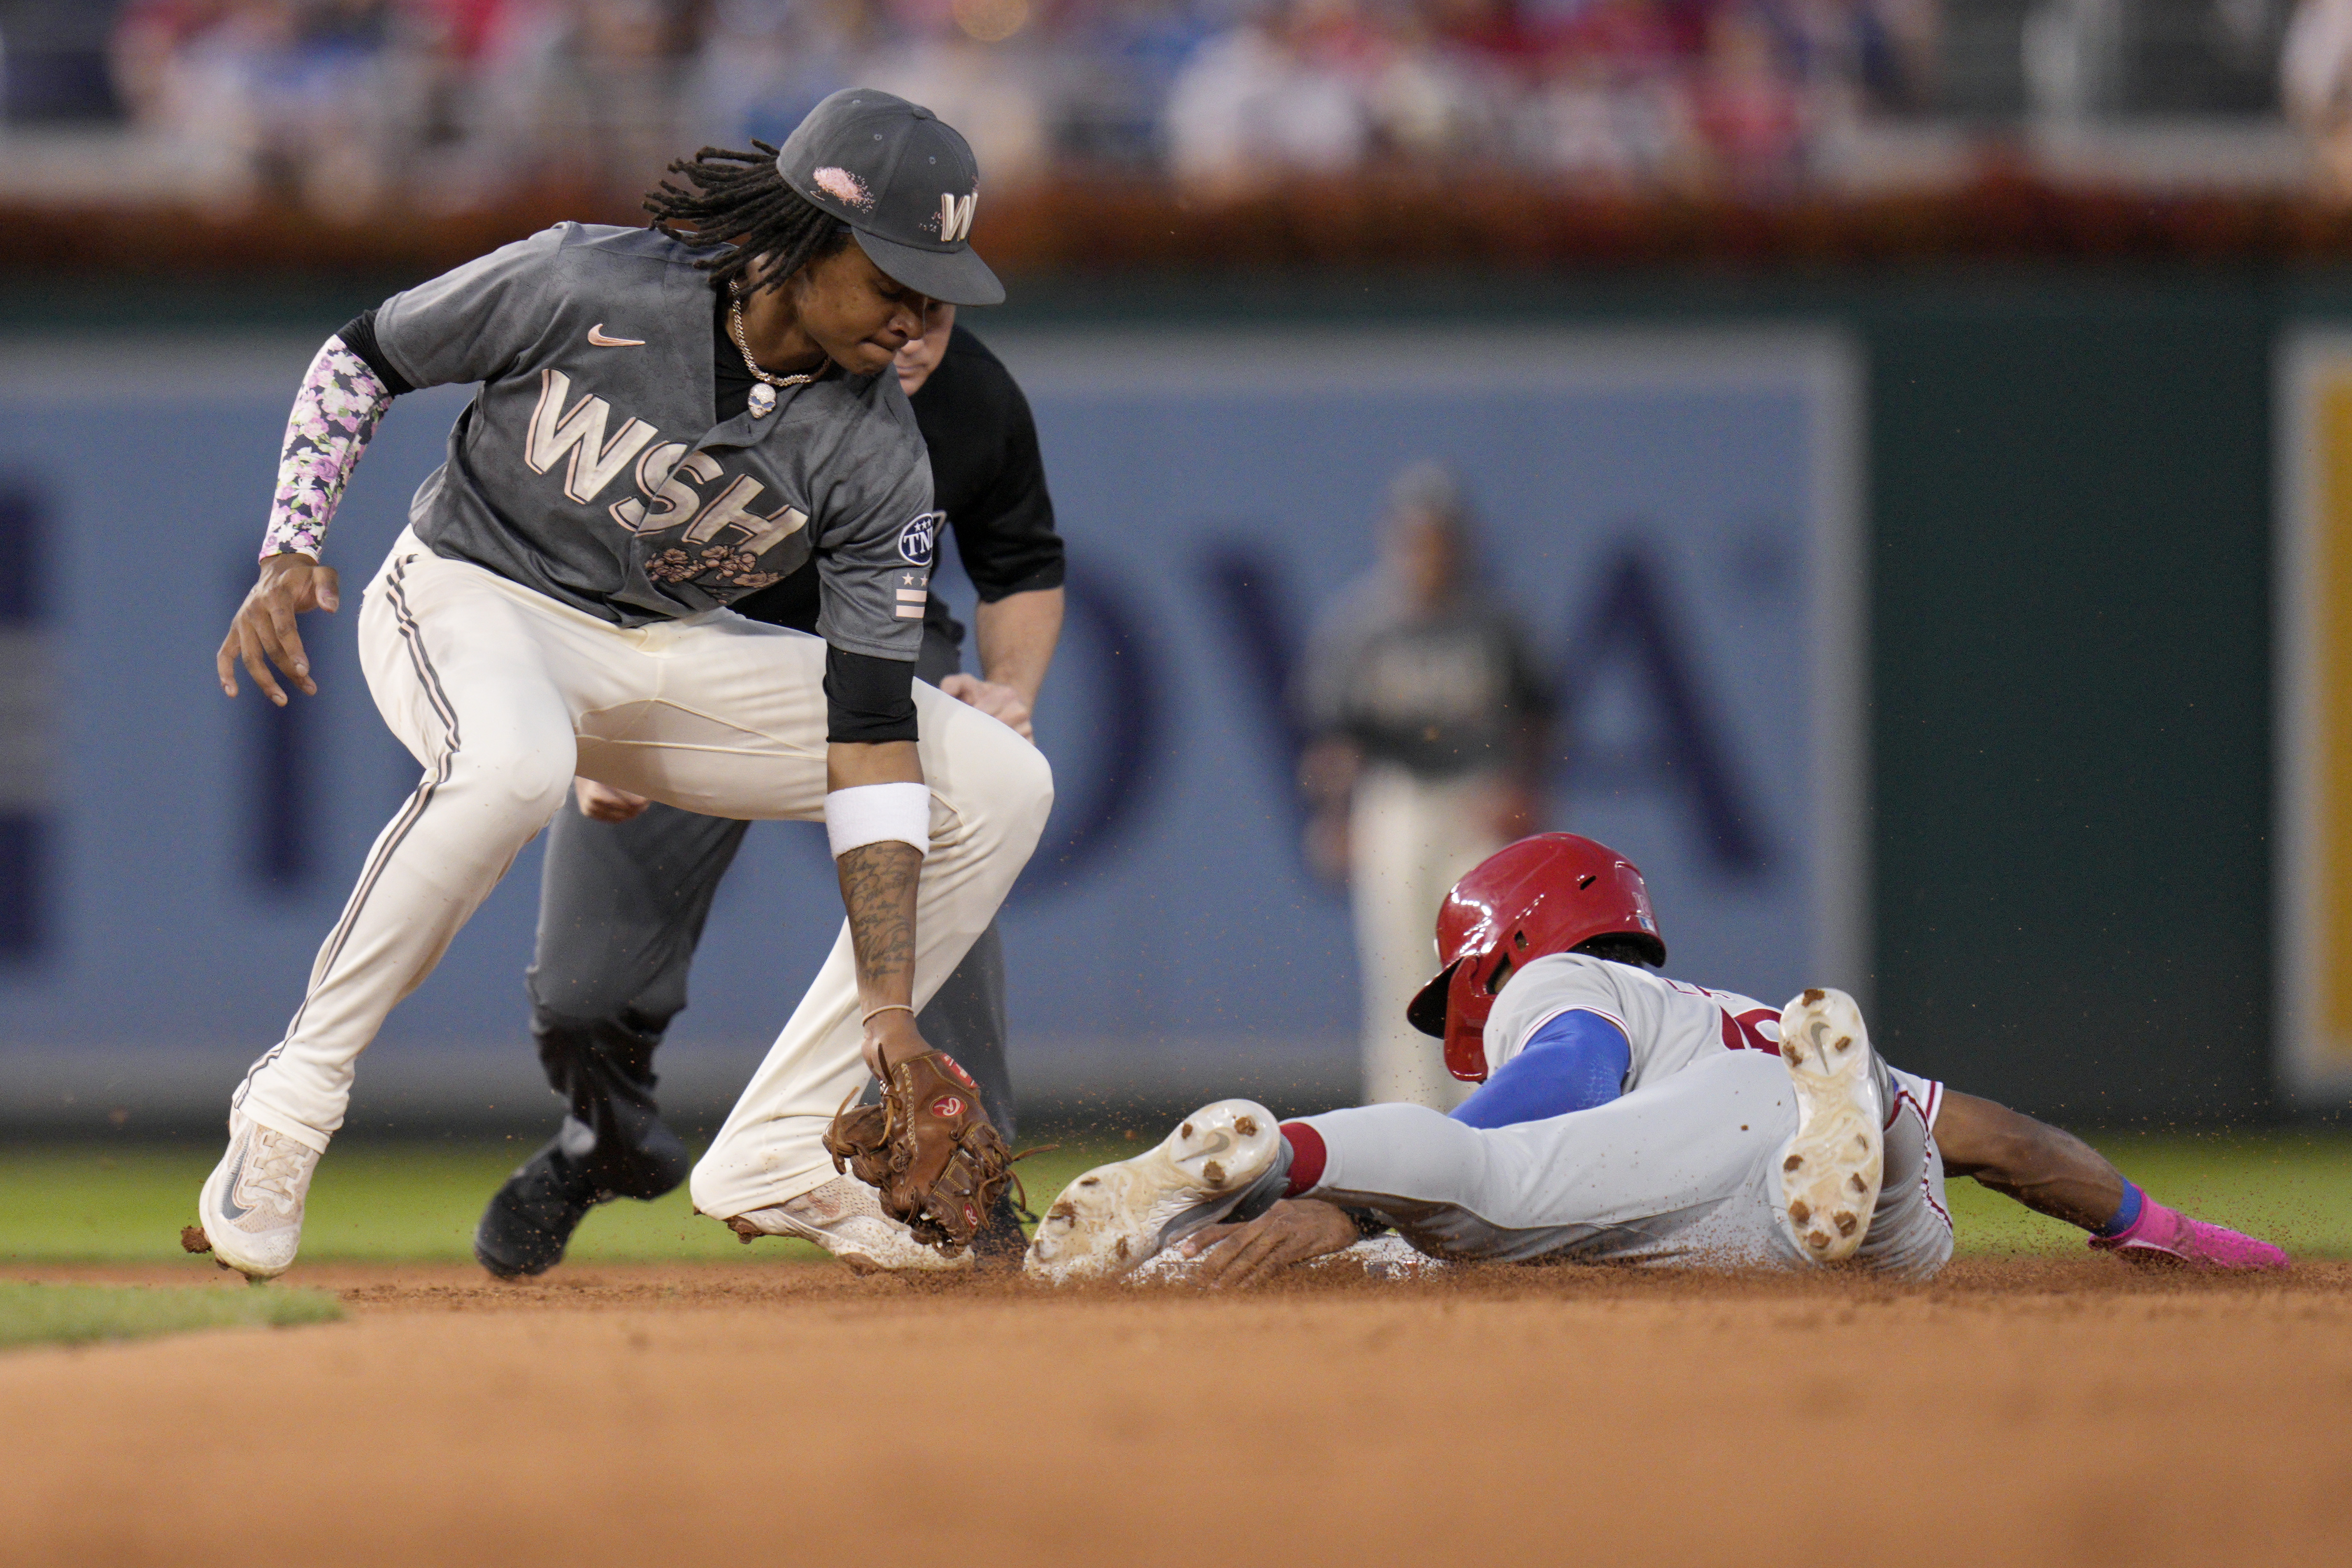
column 738, row 196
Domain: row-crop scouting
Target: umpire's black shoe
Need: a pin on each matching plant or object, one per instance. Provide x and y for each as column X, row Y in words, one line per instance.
column 529, row 1221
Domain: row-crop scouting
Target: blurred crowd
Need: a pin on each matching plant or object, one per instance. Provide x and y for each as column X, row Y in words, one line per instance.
column 356, row 105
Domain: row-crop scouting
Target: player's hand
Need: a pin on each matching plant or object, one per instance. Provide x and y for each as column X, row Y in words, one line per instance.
column 262, row 632
column 998, row 702
column 1292, row 1231
column 603, row 803
column 891, row 1038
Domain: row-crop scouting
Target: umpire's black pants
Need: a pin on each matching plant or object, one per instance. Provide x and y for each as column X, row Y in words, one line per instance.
column 621, row 906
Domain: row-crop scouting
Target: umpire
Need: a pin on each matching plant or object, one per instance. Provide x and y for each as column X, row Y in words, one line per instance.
column 629, row 882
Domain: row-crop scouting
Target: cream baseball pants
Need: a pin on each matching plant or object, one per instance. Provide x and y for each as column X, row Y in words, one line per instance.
column 1410, row 839
column 504, row 694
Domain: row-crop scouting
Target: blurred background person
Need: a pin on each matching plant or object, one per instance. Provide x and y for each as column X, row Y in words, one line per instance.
column 1279, row 93
column 1426, row 719
column 761, row 65
column 257, row 99
column 968, row 62
column 2315, row 85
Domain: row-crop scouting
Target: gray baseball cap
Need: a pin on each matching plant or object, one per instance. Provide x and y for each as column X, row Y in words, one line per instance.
column 903, row 180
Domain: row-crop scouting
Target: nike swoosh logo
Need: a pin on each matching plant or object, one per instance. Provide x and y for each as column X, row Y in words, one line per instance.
column 1219, row 1147
column 596, row 336
column 228, row 1189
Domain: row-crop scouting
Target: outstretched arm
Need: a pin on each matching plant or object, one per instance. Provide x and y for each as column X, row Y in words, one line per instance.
column 335, row 412
column 2049, row 1170
column 2057, row 1173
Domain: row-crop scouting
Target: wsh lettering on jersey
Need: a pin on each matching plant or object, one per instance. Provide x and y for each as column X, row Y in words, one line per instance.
column 721, row 539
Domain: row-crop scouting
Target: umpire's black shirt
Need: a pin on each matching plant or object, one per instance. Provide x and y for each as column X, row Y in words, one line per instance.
column 987, row 481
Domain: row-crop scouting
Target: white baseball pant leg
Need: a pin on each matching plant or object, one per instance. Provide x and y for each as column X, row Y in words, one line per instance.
column 504, row 694
column 1411, row 839
column 1680, row 1174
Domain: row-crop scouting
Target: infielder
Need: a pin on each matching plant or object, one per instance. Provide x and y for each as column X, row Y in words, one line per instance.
column 628, row 883
column 1624, row 1116
column 557, row 607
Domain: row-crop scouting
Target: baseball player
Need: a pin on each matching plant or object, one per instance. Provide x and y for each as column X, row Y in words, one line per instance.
column 629, row 882
column 1427, row 713
column 557, row 607
column 1624, row 1117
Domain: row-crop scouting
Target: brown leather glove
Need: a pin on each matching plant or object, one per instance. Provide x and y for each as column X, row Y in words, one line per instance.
column 929, row 1148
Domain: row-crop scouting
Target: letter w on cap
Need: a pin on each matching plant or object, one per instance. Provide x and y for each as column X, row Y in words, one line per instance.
column 955, row 214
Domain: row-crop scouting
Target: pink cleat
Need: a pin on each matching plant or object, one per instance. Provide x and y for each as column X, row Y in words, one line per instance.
column 2167, row 1235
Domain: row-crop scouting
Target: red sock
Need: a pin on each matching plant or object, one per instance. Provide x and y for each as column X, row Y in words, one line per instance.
column 1307, row 1158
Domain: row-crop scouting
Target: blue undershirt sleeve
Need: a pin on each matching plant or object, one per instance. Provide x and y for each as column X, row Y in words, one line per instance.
column 1574, row 1062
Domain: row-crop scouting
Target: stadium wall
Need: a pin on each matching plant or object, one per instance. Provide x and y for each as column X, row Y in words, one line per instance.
column 2065, row 497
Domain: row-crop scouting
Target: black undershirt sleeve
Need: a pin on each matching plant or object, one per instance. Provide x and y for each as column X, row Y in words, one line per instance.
column 868, row 698
column 358, row 336
column 1018, row 551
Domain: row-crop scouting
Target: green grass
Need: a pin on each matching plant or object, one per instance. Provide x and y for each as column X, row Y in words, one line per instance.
column 2292, row 1187
column 369, row 1201
column 75, row 1314
column 382, row 1202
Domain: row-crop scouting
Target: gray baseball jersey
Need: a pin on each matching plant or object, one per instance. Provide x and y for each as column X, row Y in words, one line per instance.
column 591, row 466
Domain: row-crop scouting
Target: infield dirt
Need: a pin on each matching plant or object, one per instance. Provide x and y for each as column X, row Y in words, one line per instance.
column 2028, row 1411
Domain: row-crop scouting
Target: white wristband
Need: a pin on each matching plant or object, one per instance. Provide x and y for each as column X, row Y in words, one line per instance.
column 874, row 814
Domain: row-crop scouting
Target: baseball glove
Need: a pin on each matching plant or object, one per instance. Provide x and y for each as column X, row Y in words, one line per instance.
column 929, row 1148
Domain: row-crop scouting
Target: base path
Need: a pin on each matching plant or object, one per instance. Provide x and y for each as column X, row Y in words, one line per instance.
column 2026, row 1411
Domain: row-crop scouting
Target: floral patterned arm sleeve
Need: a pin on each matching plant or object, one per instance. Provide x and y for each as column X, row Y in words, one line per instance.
column 334, row 414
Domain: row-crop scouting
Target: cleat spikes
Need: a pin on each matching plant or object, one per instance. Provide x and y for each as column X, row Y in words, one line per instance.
column 1794, row 1163
column 1845, row 1223
column 1246, row 1126
column 1798, row 1211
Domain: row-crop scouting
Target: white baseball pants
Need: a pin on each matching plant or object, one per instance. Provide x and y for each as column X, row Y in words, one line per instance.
column 1410, row 840
column 1682, row 1172
column 504, row 695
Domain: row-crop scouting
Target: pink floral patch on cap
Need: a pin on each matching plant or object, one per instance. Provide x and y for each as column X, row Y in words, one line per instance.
column 844, row 186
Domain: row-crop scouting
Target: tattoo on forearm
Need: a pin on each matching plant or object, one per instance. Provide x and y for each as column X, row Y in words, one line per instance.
column 878, row 888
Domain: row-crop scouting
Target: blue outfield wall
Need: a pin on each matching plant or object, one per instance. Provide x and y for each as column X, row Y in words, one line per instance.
column 1673, row 515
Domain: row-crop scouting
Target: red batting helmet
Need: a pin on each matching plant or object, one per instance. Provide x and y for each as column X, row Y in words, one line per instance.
column 1542, row 895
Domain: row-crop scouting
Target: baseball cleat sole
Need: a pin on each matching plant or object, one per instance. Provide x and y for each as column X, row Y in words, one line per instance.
column 1831, row 1170
column 1116, row 1219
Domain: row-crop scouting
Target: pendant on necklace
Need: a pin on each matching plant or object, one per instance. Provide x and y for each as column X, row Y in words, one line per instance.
column 763, row 400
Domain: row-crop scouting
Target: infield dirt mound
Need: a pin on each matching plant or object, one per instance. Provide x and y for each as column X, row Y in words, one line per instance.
column 2063, row 1412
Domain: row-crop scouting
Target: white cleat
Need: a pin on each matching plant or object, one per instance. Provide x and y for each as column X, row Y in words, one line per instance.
column 1830, row 1171
column 1116, row 1219
column 844, row 1216
column 251, row 1208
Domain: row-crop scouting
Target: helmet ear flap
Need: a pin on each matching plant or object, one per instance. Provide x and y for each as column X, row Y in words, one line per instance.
column 1467, row 1002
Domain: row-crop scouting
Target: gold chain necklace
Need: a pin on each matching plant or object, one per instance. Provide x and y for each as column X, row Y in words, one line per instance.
column 764, row 394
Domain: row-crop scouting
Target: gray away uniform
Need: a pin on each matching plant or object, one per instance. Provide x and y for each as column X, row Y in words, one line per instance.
column 622, row 904
column 557, row 607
